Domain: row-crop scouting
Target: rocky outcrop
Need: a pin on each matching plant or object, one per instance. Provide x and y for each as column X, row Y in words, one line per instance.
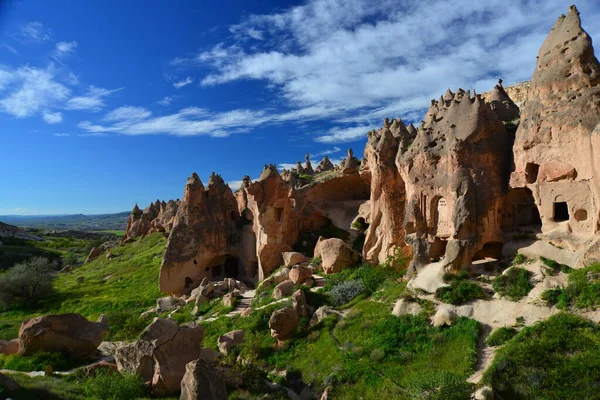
column 11, row 231
column 455, row 175
column 350, row 164
column 325, row 165
column 157, row 217
column 335, row 254
column 557, row 142
column 501, row 104
column 70, row 334
column 230, row 340
column 291, row 258
column 204, row 242
column 283, row 323
column 388, row 194
column 161, row 353
column 202, row 381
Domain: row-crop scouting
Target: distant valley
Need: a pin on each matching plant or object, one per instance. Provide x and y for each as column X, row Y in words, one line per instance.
column 82, row 222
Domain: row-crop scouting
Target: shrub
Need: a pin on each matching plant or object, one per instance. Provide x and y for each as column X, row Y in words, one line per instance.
column 438, row 385
column 554, row 359
column 556, row 267
column 501, row 336
column 346, row 291
column 377, row 355
column 36, row 362
column 519, row 259
column 108, row 385
column 514, row 284
column 583, row 290
column 460, row 291
column 27, row 283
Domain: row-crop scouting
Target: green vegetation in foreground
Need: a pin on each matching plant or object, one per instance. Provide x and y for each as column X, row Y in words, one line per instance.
column 583, row 290
column 461, row 289
column 39, row 361
column 555, row 267
column 501, row 336
column 554, row 359
column 514, row 284
column 122, row 288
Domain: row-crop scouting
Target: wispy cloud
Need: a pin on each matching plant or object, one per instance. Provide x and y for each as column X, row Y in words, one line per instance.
column 343, row 135
column 182, row 83
column 10, row 48
column 92, row 100
column 326, row 152
column 35, row 32
column 62, row 134
column 52, row 117
column 64, row 48
column 255, row 34
column 165, row 101
column 127, row 113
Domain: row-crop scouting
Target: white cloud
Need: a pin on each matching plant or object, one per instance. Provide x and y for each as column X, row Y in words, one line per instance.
column 93, row 100
column 182, row 83
column 283, row 166
column 62, row 134
column 167, row 100
column 27, row 90
column 326, row 152
column 10, row 48
column 64, row 48
column 127, row 113
column 52, row 117
column 363, row 60
column 35, row 31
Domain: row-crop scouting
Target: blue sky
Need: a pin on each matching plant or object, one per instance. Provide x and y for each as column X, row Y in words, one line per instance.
column 107, row 103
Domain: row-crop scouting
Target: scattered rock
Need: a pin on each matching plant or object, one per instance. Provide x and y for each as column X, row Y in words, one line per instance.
column 168, row 303
column 202, row 381
column 102, row 319
column 229, row 340
column 323, row 312
column 91, row 370
column 443, row 316
column 284, row 289
column 484, row 393
column 283, row 323
column 291, row 258
column 9, row 347
column 300, row 304
column 299, row 274
column 403, row 307
column 335, row 254
column 70, row 334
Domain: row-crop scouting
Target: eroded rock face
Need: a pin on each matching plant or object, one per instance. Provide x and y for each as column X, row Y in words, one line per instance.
column 335, row 254
column 557, row 143
column 324, row 165
column 283, row 323
column 455, row 173
column 202, row 381
column 161, row 353
column 157, row 217
column 71, row 334
column 388, row 194
column 204, row 242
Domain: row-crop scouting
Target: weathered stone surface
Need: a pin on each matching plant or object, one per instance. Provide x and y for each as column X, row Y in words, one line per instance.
column 300, row 304
column 229, row 300
column 229, row 340
column 443, row 316
column 335, row 254
column 557, row 142
column 501, row 104
column 157, row 217
column 350, row 164
column 323, row 312
column 70, row 334
column 9, row 347
column 160, row 354
column 324, row 165
column 403, row 307
column 283, row 323
column 299, row 274
column 202, row 381
column 484, row 393
column 168, row 303
column 284, row 289
column 291, row 258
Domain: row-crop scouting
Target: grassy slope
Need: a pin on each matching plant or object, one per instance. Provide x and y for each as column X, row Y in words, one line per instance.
column 124, row 286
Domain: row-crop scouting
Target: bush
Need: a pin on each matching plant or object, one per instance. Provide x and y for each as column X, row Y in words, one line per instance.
column 519, row 259
column 583, row 290
column 556, row 267
column 515, row 284
column 460, row 291
column 553, row 359
column 27, row 283
column 501, row 336
column 108, row 385
column 36, row 362
column 346, row 291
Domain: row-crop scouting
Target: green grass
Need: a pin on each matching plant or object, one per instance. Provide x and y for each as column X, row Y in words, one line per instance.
column 38, row 362
column 555, row 267
column 554, row 359
column 122, row 288
column 461, row 289
column 583, row 290
column 118, row 232
column 515, row 284
column 501, row 336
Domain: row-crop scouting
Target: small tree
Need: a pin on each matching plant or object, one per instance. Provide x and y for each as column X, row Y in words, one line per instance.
column 26, row 283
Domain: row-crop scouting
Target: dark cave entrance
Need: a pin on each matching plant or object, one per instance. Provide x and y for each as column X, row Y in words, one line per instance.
column 489, row 250
column 231, row 267
column 520, row 211
column 561, row 211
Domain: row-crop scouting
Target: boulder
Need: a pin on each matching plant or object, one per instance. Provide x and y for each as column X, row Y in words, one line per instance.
column 161, row 353
column 335, row 254
column 403, row 307
column 283, row 323
column 229, row 300
column 300, row 304
column 291, row 258
column 168, row 303
column 202, row 381
column 323, row 312
column 71, row 334
column 209, row 355
column 9, row 347
column 275, row 279
column 8, row 384
column 229, row 340
column 443, row 316
column 484, row 393
column 92, row 369
column 300, row 273
column 284, row 289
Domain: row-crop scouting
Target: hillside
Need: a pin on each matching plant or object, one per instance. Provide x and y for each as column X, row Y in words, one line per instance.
column 80, row 222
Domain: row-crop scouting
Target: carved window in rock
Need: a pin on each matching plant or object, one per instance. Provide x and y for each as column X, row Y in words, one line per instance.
column 441, row 219
column 278, row 214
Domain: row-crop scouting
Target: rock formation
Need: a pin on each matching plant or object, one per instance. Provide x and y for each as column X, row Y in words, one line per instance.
column 70, row 334
column 324, row 165
column 557, row 143
column 202, row 381
column 157, row 217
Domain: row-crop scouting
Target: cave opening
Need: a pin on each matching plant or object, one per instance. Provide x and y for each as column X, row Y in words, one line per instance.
column 561, row 211
column 489, row 250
